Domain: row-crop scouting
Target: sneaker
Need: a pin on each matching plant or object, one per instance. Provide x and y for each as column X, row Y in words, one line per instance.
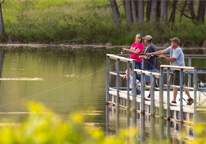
column 190, row 101
column 173, row 103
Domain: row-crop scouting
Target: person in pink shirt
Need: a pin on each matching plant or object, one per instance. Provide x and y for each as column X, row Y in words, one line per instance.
column 136, row 49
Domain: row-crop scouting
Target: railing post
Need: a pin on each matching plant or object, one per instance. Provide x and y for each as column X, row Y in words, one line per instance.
column 181, row 94
column 117, row 82
column 152, row 77
column 161, row 93
column 107, row 82
column 168, row 93
column 189, row 75
column 134, row 86
column 195, row 96
column 128, row 88
column 142, row 92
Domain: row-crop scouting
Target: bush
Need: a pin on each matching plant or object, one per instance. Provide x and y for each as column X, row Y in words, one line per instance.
column 43, row 126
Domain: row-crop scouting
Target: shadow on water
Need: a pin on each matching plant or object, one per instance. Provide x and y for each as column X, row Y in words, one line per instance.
column 152, row 129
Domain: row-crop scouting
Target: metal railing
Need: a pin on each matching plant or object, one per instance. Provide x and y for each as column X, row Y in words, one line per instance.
column 187, row 70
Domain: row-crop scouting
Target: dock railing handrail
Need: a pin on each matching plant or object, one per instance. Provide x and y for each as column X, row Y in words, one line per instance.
column 183, row 69
column 128, row 60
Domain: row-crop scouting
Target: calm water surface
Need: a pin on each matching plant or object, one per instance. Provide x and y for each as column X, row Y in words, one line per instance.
column 63, row 80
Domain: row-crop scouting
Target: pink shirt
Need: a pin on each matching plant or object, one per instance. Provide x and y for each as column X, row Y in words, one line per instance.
column 133, row 48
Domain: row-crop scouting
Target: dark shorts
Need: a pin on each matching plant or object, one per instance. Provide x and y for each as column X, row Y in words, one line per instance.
column 176, row 80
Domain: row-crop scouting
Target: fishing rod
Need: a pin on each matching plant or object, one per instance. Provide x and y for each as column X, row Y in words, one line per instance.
column 142, row 54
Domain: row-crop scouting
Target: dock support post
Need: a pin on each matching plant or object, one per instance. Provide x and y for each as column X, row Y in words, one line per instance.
column 142, row 138
column 168, row 93
column 161, row 111
column 189, row 75
column 107, row 82
column 152, row 129
column 117, row 102
column 134, row 86
column 152, row 77
column 195, row 96
column 117, row 124
column 168, row 132
column 142, row 92
column 107, row 120
column 181, row 94
column 128, row 88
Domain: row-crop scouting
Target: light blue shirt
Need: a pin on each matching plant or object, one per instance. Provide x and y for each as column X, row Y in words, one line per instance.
column 178, row 55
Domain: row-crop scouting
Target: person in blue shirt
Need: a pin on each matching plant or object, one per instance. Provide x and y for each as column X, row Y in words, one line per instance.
column 149, row 63
column 176, row 59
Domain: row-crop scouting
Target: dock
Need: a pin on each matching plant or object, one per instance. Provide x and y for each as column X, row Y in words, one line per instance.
column 161, row 95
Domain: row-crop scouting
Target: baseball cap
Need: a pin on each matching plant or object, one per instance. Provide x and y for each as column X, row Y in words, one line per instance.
column 148, row 37
column 175, row 39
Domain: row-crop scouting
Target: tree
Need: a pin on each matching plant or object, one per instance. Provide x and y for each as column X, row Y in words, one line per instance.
column 141, row 10
column 1, row 19
column 201, row 11
column 164, row 11
column 148, row 12
column 134, row 11
column 115, row 11
column 128, row 11
column 172, row 16
column 191, row 9
column 153, row 11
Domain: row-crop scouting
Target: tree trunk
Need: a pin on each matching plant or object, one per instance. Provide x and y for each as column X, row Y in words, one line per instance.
column 172, row 16
column 141, row 10
column 115, row 11
column 183, row 9
column 201, row 11
column 148, row 12
column 134, row 11
column 191, row 9
column 158, row 10
column 164, row 11
column 1, row 20
column 153, row 11
column 128, row 11
column 136, row 5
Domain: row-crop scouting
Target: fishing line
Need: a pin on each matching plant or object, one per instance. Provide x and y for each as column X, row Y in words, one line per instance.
column 56, row 87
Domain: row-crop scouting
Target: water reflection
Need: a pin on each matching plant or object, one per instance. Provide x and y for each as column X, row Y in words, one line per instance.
column 73, row 80
column 152, row 129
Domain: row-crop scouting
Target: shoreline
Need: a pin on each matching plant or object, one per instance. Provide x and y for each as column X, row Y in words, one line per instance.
column 88, row 46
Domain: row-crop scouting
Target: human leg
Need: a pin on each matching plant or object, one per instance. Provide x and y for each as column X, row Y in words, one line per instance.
column 174, row 94
column 147, row 80
column 176, row 81
column 189, row 100
column 138, row 65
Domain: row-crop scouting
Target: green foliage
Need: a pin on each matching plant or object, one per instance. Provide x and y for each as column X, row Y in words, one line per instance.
column 45, row 127
column 86, row 21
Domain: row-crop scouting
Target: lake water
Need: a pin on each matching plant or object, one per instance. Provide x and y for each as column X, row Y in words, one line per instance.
column 63, row 80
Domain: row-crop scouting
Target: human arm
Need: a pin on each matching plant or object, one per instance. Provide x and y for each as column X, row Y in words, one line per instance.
column 167, row 59
column 130, row 51
column 144, row 57
column 157, row 53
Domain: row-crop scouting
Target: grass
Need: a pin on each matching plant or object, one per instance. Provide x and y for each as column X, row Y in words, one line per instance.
column 85, row 22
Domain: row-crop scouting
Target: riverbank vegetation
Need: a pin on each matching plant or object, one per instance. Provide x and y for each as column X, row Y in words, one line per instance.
column 88, row 22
